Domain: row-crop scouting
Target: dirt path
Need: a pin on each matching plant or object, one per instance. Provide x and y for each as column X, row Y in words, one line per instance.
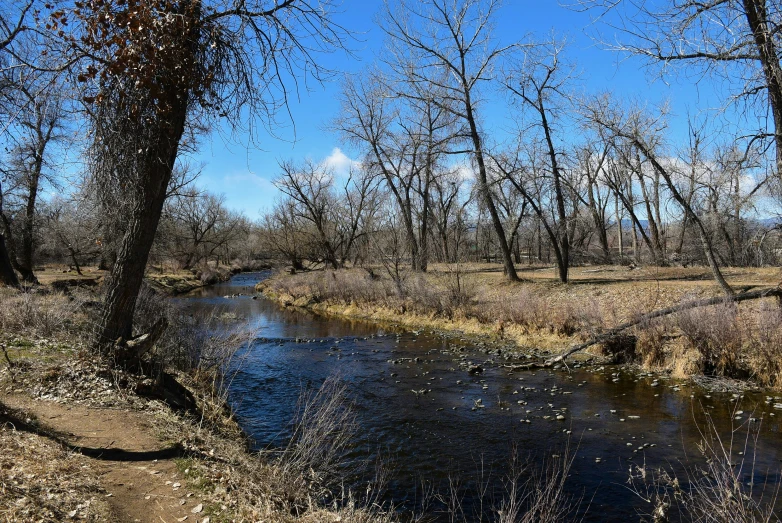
column 137, row 471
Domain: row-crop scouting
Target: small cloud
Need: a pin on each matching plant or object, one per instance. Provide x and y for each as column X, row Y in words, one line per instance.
column 339, row 162
column 244, row 178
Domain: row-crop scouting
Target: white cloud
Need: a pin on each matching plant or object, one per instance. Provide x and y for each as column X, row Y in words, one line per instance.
column 339, row 162
column 464, row 170
column 244, row 178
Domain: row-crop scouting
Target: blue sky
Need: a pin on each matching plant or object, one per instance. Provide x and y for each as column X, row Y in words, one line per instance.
column 244, row 172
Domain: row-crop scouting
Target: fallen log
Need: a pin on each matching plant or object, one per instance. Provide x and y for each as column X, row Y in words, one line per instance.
column 616, row 331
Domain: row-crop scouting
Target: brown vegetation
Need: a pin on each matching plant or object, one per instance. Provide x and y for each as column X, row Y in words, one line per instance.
column 739, row 340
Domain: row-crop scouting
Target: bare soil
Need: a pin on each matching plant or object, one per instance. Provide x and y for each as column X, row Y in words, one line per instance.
column 136, row 471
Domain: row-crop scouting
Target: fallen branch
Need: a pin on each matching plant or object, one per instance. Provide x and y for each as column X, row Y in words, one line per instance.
column 613, row 333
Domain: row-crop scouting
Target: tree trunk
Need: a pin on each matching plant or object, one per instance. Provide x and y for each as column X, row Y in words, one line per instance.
column 620, row 232
column 483, row 190
column 757, row 19
column 7, row 274
column 705, row 239
column 75, row 261
column 127, row 274
column 26, row 254
column 562, row 236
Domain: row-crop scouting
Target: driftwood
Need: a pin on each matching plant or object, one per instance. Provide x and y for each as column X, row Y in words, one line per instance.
column 616, row 331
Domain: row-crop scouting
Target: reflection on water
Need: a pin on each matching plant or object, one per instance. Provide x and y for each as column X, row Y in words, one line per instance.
column 464, row 424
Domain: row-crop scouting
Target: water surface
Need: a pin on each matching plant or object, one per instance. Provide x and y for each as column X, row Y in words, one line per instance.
column 433, row 423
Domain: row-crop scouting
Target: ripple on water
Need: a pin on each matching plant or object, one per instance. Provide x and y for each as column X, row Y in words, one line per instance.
column 419, row 407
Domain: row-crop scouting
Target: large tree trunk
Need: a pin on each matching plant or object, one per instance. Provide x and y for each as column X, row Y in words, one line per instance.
column 757, row 19
column 127, row 274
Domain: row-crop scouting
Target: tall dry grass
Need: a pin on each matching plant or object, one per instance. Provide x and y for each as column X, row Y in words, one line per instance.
column 41, row 313
column 536, row 494
column 723, row 340
column 448, row 294
column 721, row 490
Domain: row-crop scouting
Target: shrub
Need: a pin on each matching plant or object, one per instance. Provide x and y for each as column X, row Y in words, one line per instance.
column 651, row 339
column 717, row 333
column 39, row 313
column 765, row 348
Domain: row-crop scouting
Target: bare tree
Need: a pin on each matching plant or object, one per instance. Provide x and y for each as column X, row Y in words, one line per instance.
column 453, row 48
column 338, row 216
column 737, row 40
column 36, row 127
column 72, row 224
column 540, row 82
column 13, row 20
column 447, row 215
column 643, row 133
column 196, row 224
column 404, row 132
column 284, row 233
column 309, row 187
column 592, row 158
column 152, row 70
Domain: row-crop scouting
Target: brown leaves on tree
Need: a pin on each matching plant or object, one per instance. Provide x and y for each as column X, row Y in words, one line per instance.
column 147, row 52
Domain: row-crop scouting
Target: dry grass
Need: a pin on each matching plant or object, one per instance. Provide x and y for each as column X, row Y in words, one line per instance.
column 41, row 313
column 722, row 340
column 295, row 483
column 738, row 341
column 717, row 491
column 537, row 494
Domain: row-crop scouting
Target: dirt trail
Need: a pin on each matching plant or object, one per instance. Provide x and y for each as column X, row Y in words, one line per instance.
column 137, row 471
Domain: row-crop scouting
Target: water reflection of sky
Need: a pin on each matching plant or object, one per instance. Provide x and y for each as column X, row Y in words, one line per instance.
column 444, row 433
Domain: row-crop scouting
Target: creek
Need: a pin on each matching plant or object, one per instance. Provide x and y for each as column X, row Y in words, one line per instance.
column 433, row 424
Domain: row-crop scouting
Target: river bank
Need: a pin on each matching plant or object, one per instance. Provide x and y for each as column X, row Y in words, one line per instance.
column 539, row 316
column 445, row 411
column 83, row 441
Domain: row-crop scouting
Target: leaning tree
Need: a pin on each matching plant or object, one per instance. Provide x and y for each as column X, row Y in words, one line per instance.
column 151, row 71
column 736, row 41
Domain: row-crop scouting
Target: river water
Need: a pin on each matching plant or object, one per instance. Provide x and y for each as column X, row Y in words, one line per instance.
column 464, row 428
